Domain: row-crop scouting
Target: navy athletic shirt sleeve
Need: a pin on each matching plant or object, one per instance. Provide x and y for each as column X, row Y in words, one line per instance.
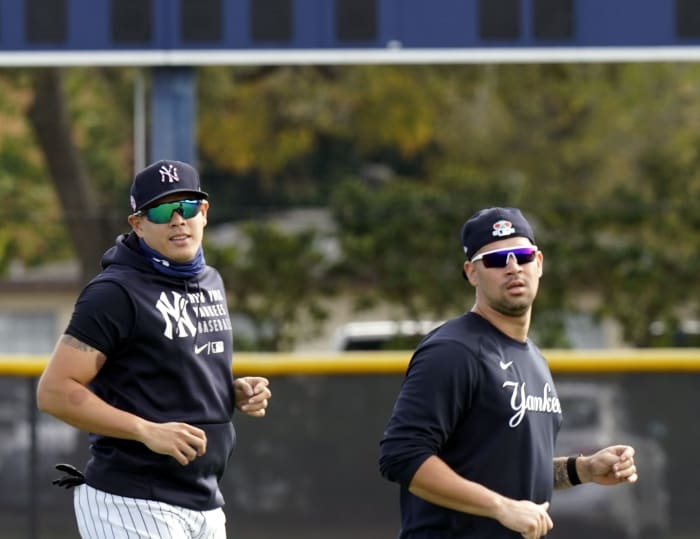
column 436, row 394
column 103, row 329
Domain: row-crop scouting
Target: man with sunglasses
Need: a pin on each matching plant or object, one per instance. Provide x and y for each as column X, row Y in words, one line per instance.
column 472, row 433
column 144, row 366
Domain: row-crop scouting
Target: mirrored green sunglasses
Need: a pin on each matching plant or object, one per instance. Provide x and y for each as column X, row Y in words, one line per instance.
column 162, row 213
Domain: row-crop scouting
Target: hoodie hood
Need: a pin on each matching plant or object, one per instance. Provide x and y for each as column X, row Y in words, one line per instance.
column 138, row 252
column 126, row 252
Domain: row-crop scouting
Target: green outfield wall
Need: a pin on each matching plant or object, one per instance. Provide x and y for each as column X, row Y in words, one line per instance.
column 309, row 469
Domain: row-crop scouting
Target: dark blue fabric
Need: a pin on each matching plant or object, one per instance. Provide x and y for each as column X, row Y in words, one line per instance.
column 169, row 267
column 486, row 405
column 168, row 347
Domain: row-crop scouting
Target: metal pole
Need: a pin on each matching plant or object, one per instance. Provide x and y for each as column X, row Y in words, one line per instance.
column 139, row 121
column 33, row 478
column 173, row 115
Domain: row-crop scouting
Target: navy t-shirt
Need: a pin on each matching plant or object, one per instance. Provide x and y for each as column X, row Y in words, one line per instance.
column 486, row 405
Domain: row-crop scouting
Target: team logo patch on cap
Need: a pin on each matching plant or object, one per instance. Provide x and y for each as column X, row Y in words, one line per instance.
column 502, row 228
column 168, row 174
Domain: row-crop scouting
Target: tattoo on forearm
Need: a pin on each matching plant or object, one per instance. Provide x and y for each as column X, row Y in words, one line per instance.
column 561, row 476
column 75, row 343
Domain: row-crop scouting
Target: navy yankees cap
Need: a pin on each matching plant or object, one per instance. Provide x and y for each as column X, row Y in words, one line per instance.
column 493, row 224
column 164, row 178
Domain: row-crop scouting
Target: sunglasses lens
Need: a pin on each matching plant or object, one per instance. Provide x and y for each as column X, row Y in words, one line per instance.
column 189, row 208
column 523, row 255
column 164, row 212
column 495, row 260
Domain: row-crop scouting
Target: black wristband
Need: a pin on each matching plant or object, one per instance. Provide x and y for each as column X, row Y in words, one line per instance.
column 574, row 479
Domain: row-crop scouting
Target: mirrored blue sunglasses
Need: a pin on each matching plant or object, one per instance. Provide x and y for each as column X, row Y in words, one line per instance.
column 498, row 258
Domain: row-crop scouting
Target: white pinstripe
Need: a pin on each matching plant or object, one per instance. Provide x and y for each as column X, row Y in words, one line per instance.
column 101, row 515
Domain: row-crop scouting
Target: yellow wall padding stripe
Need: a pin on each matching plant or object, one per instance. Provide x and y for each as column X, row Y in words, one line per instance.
column 290, row 364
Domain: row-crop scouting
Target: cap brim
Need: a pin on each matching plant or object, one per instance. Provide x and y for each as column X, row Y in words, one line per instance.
column 195, row 194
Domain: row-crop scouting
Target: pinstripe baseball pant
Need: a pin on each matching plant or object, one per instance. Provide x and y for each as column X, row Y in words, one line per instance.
column 101, row 515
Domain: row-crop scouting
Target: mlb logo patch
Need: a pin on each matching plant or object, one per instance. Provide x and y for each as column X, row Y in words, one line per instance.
column 502, row 228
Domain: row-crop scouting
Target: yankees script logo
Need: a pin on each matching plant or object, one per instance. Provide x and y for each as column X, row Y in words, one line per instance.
column 521, row 402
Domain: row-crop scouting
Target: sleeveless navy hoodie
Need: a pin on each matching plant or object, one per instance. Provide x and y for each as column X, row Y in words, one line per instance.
column 168, row 344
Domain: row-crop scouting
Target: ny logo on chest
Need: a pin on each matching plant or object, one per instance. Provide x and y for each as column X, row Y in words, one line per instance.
column 177, row 319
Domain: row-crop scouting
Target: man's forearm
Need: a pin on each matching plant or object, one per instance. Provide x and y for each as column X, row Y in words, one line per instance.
column 561, row 474
column 437, row 483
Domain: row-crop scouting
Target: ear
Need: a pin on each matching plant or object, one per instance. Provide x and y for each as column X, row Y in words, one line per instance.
column 203, row 209
column 136, row 224
column 540, row 262
column 470, row 272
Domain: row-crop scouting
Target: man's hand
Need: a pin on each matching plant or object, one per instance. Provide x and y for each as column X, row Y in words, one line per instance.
column 532, row 520
column 181, row 441
column 252, row 395
column 610, row 466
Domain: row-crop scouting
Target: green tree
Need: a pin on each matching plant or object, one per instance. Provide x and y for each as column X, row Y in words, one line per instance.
column 30, row 229
column 63, row 165
column 603, row 158
column 606, row 189
column 276, row 281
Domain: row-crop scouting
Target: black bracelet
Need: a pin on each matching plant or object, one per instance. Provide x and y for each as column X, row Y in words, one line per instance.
column 574, row 479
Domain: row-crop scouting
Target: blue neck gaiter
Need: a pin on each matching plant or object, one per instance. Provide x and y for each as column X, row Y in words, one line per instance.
column 174, row 269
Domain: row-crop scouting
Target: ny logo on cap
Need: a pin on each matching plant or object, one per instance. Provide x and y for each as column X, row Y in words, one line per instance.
column 502, row 228
column 168, row 174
